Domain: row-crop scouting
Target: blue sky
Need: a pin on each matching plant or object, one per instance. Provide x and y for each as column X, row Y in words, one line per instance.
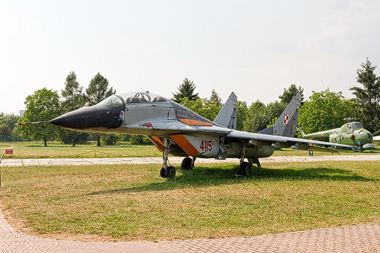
column 254, row 48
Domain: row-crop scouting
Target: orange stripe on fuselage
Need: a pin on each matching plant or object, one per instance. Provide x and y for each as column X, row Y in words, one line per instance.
column 191, row 122
column 185, row 144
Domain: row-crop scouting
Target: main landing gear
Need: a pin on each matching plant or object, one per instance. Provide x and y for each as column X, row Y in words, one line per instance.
column 245, row 168
column 188, row 163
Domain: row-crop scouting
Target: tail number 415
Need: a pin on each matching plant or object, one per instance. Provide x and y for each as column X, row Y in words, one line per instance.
column 206, row 145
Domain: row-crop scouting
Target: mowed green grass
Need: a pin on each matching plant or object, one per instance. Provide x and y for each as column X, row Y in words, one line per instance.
column 57, row 150
column 129, row 202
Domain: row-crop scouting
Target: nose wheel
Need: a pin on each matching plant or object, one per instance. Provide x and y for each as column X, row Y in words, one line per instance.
column 169, row 172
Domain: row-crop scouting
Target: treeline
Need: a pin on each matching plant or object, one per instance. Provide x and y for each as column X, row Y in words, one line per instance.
column 323, row 110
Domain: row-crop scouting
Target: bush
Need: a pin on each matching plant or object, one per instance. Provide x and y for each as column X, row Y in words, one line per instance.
column 110, row 139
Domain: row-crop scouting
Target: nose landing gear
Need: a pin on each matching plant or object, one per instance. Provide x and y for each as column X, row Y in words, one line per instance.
column 166, row 171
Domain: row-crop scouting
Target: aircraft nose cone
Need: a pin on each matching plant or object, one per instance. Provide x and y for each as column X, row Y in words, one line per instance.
column 90, row 117
column 365, row 137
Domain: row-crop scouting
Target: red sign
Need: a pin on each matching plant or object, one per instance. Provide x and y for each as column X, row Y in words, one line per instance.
column 9, row 151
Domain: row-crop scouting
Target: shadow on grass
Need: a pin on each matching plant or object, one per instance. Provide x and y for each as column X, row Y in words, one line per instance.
column 206, row 177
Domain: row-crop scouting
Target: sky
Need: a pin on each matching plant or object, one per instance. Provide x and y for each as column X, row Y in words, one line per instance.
column 253, row 48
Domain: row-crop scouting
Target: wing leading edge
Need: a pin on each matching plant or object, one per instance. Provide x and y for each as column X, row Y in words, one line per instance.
column 282, row 141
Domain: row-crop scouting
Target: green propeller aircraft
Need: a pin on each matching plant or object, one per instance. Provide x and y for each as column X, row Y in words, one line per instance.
column 351, row 133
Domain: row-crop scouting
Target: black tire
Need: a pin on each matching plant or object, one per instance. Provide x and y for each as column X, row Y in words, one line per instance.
column 186, row 163
column 163, row 172
column 245, row 169
column 171, row 172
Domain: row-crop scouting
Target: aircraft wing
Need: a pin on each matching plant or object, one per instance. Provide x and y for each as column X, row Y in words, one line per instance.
column 281, row 141
column 376, row 138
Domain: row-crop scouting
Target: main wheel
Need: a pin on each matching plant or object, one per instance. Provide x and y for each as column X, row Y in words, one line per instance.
column 186, row 164
column 171, row 172
column 163, row 172
column 245, row 169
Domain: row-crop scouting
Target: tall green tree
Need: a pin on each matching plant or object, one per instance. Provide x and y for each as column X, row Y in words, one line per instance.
column 97, row 91
column 203, row 107
column 259, row 115
column 43, row 105
column 215, row 98
column 73, row 98
column 368, row 97
column 256, row 119
column 288, row 94
column 325, row 110
column 9, row 120
column 185, row 90
column 5, row 130
column 242, row 112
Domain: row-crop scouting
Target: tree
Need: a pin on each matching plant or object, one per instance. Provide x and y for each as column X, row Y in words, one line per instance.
column 74, row 98
column 96, row 92
column 255, row 119
column 5, row 130
column 186, row 90
column 9, row 120
column 111, row 139
column 203, row 107
column 260, row 116
column 73, row 93
column 242, row 112
column 368, row 97
column 288, row 95
column 215, row 98
column 98, row 89
column 43, row 105
column 325, row 110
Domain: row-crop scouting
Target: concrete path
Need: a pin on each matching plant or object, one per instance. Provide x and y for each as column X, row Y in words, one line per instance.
column 358, row 238
column 178, row 160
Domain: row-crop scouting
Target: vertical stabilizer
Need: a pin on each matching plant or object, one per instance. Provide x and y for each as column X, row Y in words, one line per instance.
column 228, row 114
column 286, row 124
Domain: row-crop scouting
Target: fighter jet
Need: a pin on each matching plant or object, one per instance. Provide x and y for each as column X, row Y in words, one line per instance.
column 176, row 130
column 351, row 133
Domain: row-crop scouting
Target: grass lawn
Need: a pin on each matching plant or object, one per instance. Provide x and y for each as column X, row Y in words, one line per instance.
column 58, row 150
column 128, row 202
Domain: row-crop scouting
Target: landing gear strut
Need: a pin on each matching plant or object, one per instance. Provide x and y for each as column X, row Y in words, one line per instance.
column 166, row 171
column 245, row 168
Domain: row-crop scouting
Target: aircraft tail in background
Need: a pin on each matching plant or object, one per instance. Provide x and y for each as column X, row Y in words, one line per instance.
column 286, row 124
column 227, row 116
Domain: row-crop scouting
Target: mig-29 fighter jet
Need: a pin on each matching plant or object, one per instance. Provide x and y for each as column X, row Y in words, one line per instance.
column 176, row 130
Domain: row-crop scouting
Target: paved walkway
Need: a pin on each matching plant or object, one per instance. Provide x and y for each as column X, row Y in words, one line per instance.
column 359, row 238
column 178, row 160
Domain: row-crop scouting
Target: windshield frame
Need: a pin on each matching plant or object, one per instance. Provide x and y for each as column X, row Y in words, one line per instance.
column 113, row 102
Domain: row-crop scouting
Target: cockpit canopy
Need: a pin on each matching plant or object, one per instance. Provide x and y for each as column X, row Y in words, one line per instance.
column 133, row 98
column 354, row 125
column 113, row 101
